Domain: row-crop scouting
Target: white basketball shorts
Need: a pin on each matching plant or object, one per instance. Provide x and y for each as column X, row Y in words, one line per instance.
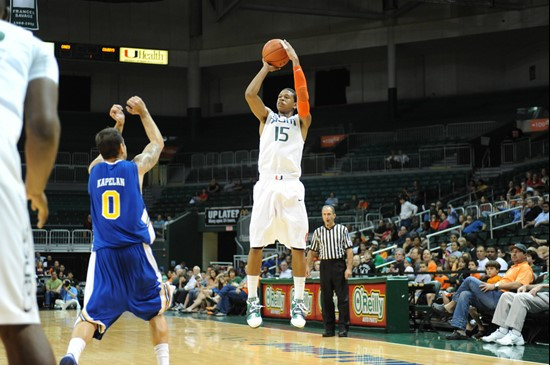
column 17, row 268
column 279, row 213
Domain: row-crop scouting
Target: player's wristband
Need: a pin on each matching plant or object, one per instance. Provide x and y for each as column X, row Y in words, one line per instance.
column 300, row 85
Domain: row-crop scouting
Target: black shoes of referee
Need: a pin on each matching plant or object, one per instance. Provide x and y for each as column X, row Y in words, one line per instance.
column 331, row 334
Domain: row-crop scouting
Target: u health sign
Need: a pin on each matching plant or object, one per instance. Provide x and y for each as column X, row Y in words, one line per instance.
column 148, row 56
column 221, row 216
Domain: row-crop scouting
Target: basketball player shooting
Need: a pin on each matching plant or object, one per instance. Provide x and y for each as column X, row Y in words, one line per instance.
column 279, row 212
column 123, row 234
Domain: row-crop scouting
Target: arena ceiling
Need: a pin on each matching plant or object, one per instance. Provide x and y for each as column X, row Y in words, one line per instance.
column 358, row 9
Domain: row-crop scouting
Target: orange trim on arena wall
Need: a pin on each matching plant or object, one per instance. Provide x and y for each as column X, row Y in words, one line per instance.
column 332, row 140
column 539, row 125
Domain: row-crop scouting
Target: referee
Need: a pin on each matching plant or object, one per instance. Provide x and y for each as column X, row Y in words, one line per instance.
column 332, row 244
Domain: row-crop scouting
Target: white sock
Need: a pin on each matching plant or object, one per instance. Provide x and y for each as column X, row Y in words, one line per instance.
column 76, row 346
column 163, row 354
column 299, row 285
column 252, row 286
column 515, row 332
column 503, row 330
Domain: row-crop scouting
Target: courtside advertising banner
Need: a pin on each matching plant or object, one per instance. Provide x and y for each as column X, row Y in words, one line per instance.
column 310, row 299
column 368, row 304
column 24, row 13
column 276, row 300
column 318, row 301
column 221, row 216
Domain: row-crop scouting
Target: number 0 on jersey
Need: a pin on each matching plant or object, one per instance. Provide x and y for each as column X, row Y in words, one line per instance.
column 111, row 204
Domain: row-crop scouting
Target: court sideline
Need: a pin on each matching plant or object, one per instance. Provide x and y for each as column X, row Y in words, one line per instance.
column 200, row 340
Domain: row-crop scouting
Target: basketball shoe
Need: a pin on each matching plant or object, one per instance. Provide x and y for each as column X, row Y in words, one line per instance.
column 68, row 360
column 253, row 314
column 297, row 313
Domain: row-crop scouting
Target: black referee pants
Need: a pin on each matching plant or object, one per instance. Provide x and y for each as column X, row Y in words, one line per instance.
column 333, row 280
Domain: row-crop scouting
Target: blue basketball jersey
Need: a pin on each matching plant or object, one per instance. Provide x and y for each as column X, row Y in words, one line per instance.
column 119, row 216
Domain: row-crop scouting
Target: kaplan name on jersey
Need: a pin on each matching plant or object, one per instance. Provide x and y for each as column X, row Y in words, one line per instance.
column 110, row 181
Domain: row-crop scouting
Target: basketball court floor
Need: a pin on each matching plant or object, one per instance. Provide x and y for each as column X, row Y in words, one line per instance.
column 198, row 339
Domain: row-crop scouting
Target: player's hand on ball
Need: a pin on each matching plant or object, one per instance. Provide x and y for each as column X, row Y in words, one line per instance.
column 117, row 113
column 290, row 51
column 135, row 106
column 269, row 67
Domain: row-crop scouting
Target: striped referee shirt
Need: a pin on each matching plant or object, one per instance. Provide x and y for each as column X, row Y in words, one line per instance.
column 331, row 243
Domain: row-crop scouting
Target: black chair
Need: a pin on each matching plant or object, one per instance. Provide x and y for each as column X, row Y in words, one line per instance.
column 420, row 315
column 40, row 293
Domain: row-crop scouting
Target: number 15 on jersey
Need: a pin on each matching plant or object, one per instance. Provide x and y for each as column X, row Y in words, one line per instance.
column 281, row 134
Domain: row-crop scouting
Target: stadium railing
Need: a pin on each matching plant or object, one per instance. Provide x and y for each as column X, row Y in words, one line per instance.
column 492, row 216
column 439, row 233
column 62, row 240
column 522, row 149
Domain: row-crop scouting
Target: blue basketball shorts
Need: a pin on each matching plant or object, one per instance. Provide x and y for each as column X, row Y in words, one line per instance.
column 120, row 280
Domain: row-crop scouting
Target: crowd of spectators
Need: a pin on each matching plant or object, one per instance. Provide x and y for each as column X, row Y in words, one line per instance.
column 216, row 291
column 61, row 290
column 360, row 205
column 448, row 267
column 214, row 188
column 397, row 161
column 160, row 223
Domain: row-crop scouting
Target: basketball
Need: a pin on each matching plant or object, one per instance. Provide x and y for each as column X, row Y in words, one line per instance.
column 274, row 53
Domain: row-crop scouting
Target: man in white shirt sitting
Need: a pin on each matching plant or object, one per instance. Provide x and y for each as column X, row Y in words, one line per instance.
column 482, row 259
column 285, row 273
column 542, row 218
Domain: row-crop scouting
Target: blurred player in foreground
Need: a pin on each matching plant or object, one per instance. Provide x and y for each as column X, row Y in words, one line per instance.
column 28, row 86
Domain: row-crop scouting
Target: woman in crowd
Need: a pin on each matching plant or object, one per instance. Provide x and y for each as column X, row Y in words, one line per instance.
column 209, row 291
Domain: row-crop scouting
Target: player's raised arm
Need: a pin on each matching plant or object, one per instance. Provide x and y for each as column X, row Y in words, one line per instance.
column 42, row 130
column 254, row 101
column 300, row 85
column 117, row 113
column 151, row 153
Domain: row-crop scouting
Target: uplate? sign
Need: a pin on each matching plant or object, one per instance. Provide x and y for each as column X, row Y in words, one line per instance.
column 222, row 216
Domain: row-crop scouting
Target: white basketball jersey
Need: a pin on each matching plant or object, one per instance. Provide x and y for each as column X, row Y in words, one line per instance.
column 281, row 146
column 23, row 58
